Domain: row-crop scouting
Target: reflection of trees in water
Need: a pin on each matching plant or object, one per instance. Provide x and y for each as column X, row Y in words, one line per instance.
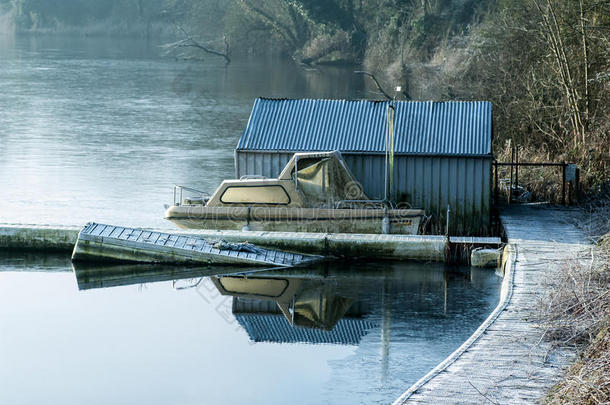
column 221, row 97
column 265, row 77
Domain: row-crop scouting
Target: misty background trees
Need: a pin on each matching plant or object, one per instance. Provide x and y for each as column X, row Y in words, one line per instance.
column 118, row 17
column 543, row 63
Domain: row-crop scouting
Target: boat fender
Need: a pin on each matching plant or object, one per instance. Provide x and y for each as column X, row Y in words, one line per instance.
column 246, row 227
column 385, row 225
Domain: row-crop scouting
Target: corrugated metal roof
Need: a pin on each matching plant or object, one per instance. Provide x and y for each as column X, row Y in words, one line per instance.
column 275, row 328
column 421, row 128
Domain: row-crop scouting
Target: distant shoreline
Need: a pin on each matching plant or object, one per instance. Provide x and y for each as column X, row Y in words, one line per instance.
column 136, row 30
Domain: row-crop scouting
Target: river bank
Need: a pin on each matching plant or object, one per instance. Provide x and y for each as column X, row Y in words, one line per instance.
column 576, row 312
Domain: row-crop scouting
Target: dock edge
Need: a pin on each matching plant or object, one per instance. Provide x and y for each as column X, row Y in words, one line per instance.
column 509, row 265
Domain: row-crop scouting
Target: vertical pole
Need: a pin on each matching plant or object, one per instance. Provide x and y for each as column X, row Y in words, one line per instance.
column 577, row 185
column 510, row 185
column 496, row 184
column 389, row 153
column 391, row 169
column 517, row 167
column 385, row 184
column 447, row 225
column 563, row 184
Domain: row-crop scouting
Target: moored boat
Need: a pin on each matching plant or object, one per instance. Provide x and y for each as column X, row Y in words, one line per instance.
column 315, row 192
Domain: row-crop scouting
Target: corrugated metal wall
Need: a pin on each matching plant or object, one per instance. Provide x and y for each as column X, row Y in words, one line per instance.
column 431, row 183
column 268, row 164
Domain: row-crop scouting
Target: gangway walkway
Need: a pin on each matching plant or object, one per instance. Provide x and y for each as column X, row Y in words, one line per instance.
column 507, row 360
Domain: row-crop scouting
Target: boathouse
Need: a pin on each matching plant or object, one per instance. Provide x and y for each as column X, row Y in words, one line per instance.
column 437, row 154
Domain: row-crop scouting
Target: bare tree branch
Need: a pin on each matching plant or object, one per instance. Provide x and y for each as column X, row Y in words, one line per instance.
column 372, row 76
column 190, row 42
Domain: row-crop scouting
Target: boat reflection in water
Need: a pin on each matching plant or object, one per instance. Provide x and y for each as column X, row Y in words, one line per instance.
column 290, row 308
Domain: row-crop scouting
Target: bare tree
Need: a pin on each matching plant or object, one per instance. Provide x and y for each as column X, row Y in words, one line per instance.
column 372, row 76
column 189, row 41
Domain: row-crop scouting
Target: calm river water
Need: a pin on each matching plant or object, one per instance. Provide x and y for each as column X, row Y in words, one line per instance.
column 99, row 130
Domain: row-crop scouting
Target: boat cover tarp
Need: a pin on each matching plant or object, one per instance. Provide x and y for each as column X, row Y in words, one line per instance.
column 326, row 181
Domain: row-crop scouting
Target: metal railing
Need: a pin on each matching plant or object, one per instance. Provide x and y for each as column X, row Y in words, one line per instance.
column 368, row 203
column 179, row 192
column 511, row 184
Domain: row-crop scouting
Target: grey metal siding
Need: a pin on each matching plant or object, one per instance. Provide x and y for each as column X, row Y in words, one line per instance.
column 268, row 164
column 431, row 183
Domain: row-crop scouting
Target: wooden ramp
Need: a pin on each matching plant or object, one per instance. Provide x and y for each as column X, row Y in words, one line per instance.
column 110, row 243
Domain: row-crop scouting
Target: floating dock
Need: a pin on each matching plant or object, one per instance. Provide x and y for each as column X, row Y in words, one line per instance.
column 100, row 243
column 425, row 248
column 507, row 360
column 38, row 237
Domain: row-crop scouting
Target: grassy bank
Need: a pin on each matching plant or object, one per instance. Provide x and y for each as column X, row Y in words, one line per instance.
column 576, row 312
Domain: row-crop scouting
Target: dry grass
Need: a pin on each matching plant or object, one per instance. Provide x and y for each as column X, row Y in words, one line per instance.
column 588, row 380
column 577, row 312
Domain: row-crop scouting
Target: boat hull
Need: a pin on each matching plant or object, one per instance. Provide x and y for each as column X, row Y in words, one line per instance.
column 295, row 219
